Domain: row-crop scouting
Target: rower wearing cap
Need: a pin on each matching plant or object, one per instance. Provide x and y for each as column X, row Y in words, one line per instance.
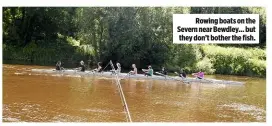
column 149, row 71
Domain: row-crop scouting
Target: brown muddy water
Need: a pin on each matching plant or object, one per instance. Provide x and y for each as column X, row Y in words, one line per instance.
column 33, row 97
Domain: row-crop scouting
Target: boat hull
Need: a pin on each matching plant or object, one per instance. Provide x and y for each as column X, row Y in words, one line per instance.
column 138, row 76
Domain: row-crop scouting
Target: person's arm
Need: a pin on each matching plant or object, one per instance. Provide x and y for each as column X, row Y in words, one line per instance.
column 99, row 68
column 135, row 70
column 80, row 67
column 195, row 74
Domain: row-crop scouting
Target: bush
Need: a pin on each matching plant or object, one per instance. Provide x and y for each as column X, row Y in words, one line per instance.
column 204, row 65
column 236, row 61
column 258, row 53
column 47, row 54
column 185, row 56
column 256, row 67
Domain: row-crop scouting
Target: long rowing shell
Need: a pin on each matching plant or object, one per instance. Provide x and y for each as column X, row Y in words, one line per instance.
column 138, row 76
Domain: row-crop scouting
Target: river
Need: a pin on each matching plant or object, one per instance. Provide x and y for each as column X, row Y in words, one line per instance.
column 33, row 97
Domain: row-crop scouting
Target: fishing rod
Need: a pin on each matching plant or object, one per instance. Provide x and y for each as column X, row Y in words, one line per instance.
column 128, row 117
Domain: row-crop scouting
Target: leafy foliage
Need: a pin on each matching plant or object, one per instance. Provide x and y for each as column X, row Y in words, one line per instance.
column 236, row 60
column 140, row 35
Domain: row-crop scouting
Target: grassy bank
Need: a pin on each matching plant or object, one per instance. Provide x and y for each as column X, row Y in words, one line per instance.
column 210, row 58
column 214, row 59
column 236, row 61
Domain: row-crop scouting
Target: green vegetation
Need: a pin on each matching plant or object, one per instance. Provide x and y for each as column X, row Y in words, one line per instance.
column 140, row 35
column 237, row 61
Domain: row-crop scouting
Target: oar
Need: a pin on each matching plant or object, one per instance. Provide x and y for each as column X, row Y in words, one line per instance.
column 62, row 69
column 204, row 79
column 93, row 71
column 179, row 75
column 161, row 74
column 125, row 77
column 171, row 77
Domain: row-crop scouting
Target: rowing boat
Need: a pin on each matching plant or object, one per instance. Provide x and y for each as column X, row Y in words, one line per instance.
column 138, row 76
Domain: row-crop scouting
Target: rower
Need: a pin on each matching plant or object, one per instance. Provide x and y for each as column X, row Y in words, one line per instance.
column 181, row 73
column 118, row 68
column 82, row 66
column 149, row 71
column 134, row 71
column 99, row 68
column 199, row 75
column 163, row 71
column 58, row 66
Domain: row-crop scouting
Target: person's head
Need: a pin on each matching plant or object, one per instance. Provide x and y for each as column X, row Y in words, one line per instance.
column 118, row 64
column 200, row 70
column 133, row 65
column 82, row 62
column 163, row 68
column 59, row 63
column 181, row 70
column 149, row 67
column 99, row 63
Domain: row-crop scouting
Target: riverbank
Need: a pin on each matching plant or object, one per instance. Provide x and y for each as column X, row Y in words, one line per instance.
column 212, row 59
column 236, row 61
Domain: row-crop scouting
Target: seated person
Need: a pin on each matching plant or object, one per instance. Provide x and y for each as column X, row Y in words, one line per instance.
column 99, row 68
column 118, row 68
column 163, row 71
column 58, row 66
column 82, row 66
column 149, row 71
column 199, row 75
column 134, row 71
column 181, row 73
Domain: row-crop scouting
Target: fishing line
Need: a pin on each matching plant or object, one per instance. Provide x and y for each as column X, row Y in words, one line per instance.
column 128, row 117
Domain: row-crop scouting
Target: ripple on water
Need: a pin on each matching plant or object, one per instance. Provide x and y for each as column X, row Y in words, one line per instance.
column 20, row 73
column 97, row 110
column 105, row 78
column 9, row 119
column 68, row 118
column 25, row 111
column 171, row 103
column 8, row 66
column 255, row 112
